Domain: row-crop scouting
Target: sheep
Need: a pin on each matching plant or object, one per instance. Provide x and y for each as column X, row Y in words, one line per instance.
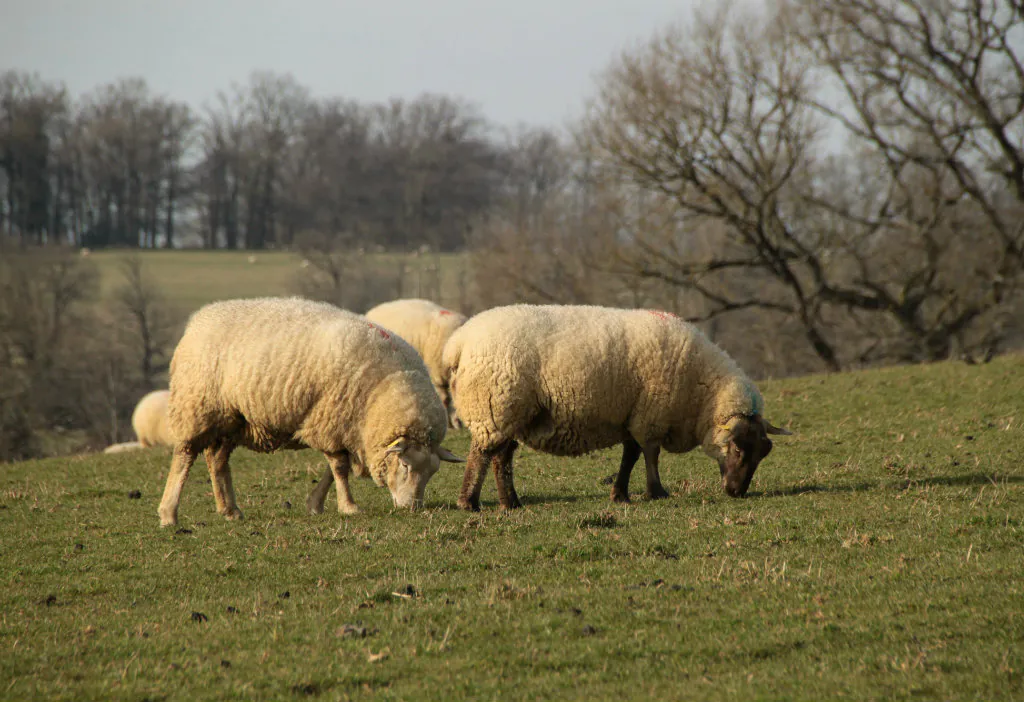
column 273, row 373
column 149, row 420
column 123, row 447
column 426, row 326
column 567, row 380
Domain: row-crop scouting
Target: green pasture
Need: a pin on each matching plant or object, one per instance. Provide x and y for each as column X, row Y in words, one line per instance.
column 189, row 279
column 878, row 556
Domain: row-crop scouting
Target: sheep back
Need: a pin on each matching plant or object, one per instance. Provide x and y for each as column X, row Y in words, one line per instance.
column 424, row 324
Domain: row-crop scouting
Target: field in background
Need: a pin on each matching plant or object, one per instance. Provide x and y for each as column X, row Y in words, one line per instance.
column 878, row 556
column 191, row 279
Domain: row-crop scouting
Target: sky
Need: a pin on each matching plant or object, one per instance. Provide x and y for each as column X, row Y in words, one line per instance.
column 520, row 61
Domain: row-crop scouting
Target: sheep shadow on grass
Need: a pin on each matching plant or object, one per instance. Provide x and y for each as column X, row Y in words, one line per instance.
column 966, row 479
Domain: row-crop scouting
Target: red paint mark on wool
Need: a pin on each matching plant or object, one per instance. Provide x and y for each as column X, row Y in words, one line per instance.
column 383, row 334
column 663, row 315
column 444, row 312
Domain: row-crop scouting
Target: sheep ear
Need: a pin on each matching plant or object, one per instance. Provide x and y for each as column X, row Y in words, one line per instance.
column 771, row 429
column 446, row 455
column 397, row 446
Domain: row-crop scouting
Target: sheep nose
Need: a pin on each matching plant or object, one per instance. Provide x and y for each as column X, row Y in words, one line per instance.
column 734, row 491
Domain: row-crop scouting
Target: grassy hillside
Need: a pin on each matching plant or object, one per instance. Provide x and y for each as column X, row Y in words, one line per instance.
column 877, row 556
column 190, row 279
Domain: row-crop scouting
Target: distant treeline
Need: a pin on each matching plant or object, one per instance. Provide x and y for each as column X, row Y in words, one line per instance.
column 257, row 166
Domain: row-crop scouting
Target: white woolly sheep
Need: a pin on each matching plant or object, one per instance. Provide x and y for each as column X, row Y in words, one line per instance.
column 123, row 447
column 567, row 380
column 426, row 326
column 275, row 373
column 149, row 420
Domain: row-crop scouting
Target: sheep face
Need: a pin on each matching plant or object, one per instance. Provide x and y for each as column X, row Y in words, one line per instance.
column 410, row 466
column 739, row 446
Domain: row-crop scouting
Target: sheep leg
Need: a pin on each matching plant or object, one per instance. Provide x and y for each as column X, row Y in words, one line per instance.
column 220, row 477
column 318, row 495
column 655, row 491
column 181, row 462
column 341, row 466
column 501, row 461
column 630, row 455
column 473, row 479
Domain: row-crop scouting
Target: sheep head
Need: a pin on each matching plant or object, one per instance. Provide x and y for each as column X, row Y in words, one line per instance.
column 739, row 446
column 409, row 467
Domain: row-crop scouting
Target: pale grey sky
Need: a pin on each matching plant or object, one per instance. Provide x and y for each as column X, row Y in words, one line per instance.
column 528, row 61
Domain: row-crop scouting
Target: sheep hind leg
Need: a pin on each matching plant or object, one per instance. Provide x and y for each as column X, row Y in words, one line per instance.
column 217, row 457
column 502, row 464
column 655, row 490
column 473, row 479
column 318, row 495
column 181, row 462
column 341, row 466
column 630, row 455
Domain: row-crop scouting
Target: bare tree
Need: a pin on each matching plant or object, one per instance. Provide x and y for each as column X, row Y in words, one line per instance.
column 333, row 271
column 153, row 325
column 861, row 243
column 30, row 111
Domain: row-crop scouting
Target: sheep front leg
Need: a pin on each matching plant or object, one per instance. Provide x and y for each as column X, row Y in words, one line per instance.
column 655, row 490
column 220, row 477
column 630, row 455
column 181, row 462
column 473, row 479
column 341, row 466
column 501, row 462
column 318, row 495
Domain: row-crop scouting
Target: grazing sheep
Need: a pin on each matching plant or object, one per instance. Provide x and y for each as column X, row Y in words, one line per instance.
column 277, row 373
column 123, row 447
column 569, row 380
column 426, row 326
column 149, row 420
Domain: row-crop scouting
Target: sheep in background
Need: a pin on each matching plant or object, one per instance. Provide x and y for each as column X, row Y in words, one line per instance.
column 276, row 373
column 123, row 447
column 568, row 380
column 149, row 420
column 426, row 326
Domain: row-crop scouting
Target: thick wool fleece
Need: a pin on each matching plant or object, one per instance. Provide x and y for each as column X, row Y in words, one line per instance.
column 287, row 372
column 424, row 324
column 571, row 379
column 149, row 420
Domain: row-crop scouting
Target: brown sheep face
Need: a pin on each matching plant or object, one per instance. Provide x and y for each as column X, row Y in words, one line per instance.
column 747, row 448
column 739, row 447
column 410, row 467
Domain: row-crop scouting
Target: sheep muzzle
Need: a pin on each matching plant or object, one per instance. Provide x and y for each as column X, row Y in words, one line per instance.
column 748, row 446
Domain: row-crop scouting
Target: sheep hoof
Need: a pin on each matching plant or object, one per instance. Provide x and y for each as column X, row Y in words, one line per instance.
column 168, row 521
column 657, row 493
column 469, row 505
column 620, row 497
column 513, row 503
column 314, row 507
column 234, row 514
column 347, row 509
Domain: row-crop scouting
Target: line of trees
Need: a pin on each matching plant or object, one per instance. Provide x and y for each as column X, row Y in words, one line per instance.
column 264, row 162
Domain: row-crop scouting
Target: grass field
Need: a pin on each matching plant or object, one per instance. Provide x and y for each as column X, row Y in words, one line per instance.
column 878, row 556
column 190, row 279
